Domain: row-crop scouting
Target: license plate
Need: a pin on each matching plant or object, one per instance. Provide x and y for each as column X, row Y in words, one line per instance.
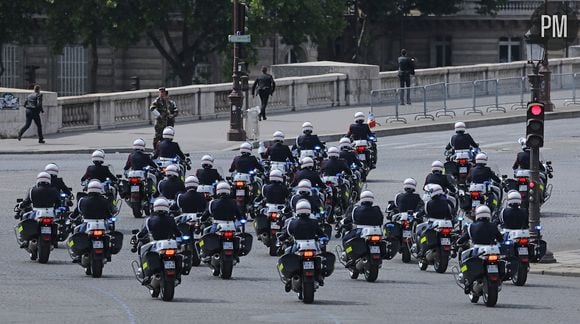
column 362, row 157
column 169, row 264
column 462, row 169
column 274, row 226
column 445, row 241
column 240, row 192
column 97, row 244
column 308, row 265
column 475, row 203
column 406, row 233
column 375, row 249
column 523, row 251
column 134, row 188
column 46, row 230
column 492, row 268
column 523, row 188
column 228, row 245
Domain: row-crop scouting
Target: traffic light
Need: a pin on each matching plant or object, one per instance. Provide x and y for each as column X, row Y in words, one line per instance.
column 242, row 19
column 535, row 125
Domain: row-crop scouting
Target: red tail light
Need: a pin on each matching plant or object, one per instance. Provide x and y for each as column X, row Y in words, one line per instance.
column 97, row 232
column 330, row 184
column 274, row 215
column 46, row 220
column 405, row 224
column 308, row 253
column 374, row 238
column 134, row 181
column 522, row 180
column 360, row 149
column 228, row 234
column 240, row 184
column 523, row 241
column 445, row 230
column 474, row 194
column 462, row 161
column 169, row 252
column 532, row 184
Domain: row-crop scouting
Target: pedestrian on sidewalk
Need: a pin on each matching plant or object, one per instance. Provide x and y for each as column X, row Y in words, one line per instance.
column 266, row 87
column 165, row 111
column 406, row 69
column 33, row 105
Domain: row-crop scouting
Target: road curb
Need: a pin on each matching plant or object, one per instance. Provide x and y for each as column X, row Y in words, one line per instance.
column 492, row 121
column 560, row 273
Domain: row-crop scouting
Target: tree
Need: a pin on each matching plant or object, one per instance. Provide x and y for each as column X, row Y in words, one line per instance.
column 16, row 21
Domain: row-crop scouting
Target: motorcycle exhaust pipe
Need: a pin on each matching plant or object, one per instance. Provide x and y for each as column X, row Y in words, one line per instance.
column 360, row 264
column 215, row 259
column 296, row 283
column 32, row 245
column 430, row 255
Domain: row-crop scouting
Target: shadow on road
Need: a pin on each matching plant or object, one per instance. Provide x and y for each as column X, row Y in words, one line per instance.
column 200, row 301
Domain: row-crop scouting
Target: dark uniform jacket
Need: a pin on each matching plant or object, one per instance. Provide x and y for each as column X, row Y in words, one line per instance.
column 359, row 131
column 406, row 201
column 99, row 172
column 138, row 160
column 42, row 196
column 94, row 206
column 161, row 226
column 170, row 187
column 440, row 179
column 461, row 141
column 191, row 202
column 366, row 214
column 314, row 201
column 208, row 177
column 482, row 232
column 224, row 209
column 264, row 83
column 514, row 218
column 437, row 208
column 333, row 166
column 279, row 152
column 309, row 175
column 245, row 163
column 350, row 157
column 169, row 149
column 275, row 193
column 308, row 142
column 58, row 183
column 303, row 228
column 480, row 174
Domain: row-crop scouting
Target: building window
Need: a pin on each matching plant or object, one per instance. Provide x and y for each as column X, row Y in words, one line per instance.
column 295, row 55
column 510, row 49
column 12, row 66
column 72, row 71
column 442, row 51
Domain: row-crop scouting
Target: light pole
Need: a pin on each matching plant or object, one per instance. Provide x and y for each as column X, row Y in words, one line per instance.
column 546, row 73
column 236, row 132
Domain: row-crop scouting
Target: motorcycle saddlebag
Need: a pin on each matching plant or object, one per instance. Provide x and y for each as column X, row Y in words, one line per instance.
column 507, row 249
column 393, row 230
column 116, row 242
column 210, row 244
column 429, row 239
column 327, row 261
column 289, row 264
column 28, row 229
column 261, row 224
column 472, row 268
column 79, row 243
column 538, row 250
column 151, row 263
column 355, row 248
column 450, row 167
column 245, row 243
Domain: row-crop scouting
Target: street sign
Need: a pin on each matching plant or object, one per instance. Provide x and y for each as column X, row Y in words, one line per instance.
column 239, row 38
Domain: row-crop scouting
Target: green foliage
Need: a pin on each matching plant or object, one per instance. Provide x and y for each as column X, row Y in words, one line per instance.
column 16, row 23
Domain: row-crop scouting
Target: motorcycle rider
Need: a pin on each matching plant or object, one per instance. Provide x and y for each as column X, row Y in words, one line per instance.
column 409, row 199
column 514, row 217
column 438, row 207
column 55, row 180
column 523, row 158
column 347, row 153
column 138, row 159
column 364, row 214
column 361, row 131
column 482, row 232
column 191, row 201
column 461, row 140
column 333, row 165
column 222, row 208
column 276, row 192
column 307, row 172
column 304, row 192
column 481, row 173
column 207, row 175
column 279, row 152
column 98, row 171
column 437, row 177
column 308, row 141
column 245, row 162
column 167, row 148
column 171, row 185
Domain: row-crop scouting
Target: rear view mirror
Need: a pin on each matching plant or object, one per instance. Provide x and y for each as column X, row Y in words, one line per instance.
column 119, row 176
column 504, row 176
column 135, row 231
column 391, row 202
column 19, row 200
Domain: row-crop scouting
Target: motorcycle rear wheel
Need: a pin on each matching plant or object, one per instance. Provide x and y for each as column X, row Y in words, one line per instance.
column 372, row 273
column 520, row 274
column 406, row 255
column 96, row 268
column 307, row 292
column 226, row 267
column 440, row 264
column 490, row 293
column 136, row 207
column 43, row 251
column 167, row 289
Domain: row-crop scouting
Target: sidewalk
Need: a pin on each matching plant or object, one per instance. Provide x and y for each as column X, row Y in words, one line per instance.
column 568, row 265
column 210, row 135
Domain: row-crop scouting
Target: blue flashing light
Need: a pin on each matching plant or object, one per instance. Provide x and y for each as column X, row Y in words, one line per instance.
column 317, row 147
column 538, row 227
column 63, row 195
column 508, row 242
column 243, row 221
column 185, row 237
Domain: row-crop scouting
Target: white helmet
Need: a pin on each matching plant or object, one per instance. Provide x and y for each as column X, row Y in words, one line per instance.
column 307, row 127
column 278, row 136
column 333, row 152
column 482, row 212
column 307, row 162
column 410, row 183
column 246, row 148
column 344, row 143
column 191, row 182
column 304, row 186
column 95, row 186
column 459, row 127
column 168, row 132
column 437, row 166
column 367, row 196
column 436, row 190
column 139, row 144
column 481, row 158
column 98, row 156
column 359, row 116
column 161, row 204
column 207, row 160
column 303, row 207
column 522, row 142
column 172, row 170
column 276, row 175
column 51, row 169
column 223, row 188
column 43, row 177
column 514, row 197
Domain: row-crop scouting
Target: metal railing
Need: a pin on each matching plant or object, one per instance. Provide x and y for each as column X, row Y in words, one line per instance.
column 471, row 97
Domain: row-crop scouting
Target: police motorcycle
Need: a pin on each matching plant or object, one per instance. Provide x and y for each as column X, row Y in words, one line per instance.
column 433, row 245
column 338, row 196
column 269, row 222
column 159, row 262
column 140, row 186
column 208, row 191
column 523, row 183
column 516, row 249
column 459, row 163
column 191, row 228
column 484, row 194
column 221, row 250
column 366, row 151
column 398, row 232
column 184, row 165
column 364, row 254
column 246, row 187
column 303, row 267
column 483, row 268
column 317, row 155
column 38, row 228
column 454, row 198
column 62, row 217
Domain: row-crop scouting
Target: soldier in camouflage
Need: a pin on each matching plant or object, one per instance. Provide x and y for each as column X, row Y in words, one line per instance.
column 165, row 110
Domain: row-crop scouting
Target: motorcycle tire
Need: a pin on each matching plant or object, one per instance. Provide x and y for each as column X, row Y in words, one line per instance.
column 520, row 274
column 195, row 260
column 490, row 293
column 147, row 209
column 307, row 292
column 327, row 230
column 226, row 267
column 167, row 289
column 273, row 249
column 43, row 251
column 406, row 255
column 136, row 207
column 96, row 268
column 372, row 273
column 440, row 264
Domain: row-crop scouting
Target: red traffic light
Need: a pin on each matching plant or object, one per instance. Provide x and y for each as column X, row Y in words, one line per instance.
column 536, row 110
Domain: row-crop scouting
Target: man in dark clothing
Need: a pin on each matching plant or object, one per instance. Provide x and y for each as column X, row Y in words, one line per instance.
column 167, row 148
column 437, row 177
column 365, row 214
column 278, row 152
column 92, row 206
column 481, row 173
column 207, row 175
column 191, row 201
column 359, row 130
column 514, row 217
column 98, row 170
column 308, row 173
column 347, row 153
column 305, row 192
column 165, row 111
column 41, row 196
column 138, row 160
column 408, row 200
column 33, row 105
column 308, row 141
column 55, row 180
column 406, row 69
column 171, row 185
column 334, row 165
column 245, row 162
column 266, row 86
column 222, row 208
column 276, row 192
column 461, row 140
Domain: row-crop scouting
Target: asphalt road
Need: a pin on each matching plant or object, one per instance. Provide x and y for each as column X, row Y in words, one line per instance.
column 59, row 292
